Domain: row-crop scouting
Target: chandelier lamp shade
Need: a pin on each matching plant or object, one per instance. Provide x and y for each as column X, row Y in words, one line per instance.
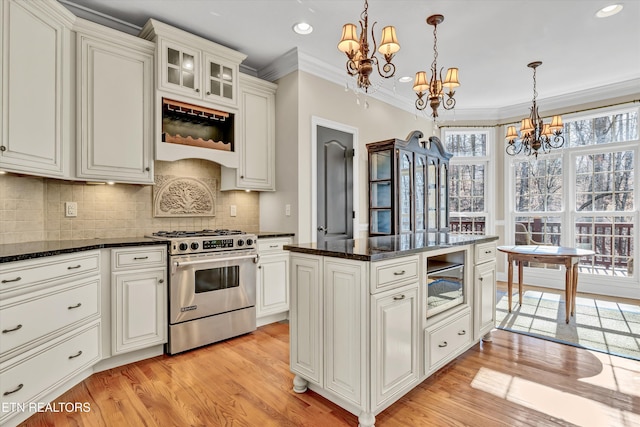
column 356, row 47
column 431, row 92
column 535, row 136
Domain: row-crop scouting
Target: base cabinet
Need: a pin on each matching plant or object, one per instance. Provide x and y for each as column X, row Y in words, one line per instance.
column 272, row 288
column 138, row 299
column 484, row 286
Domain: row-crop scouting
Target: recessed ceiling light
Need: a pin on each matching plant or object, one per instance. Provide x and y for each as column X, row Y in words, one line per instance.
column 405, row 79
column 609, row 10
column 302, row 28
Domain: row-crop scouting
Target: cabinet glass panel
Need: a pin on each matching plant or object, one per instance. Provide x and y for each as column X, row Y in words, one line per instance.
column 443, row 197
column 380, row 165
column 214, row 70
column 432, row 196
column 188, row 76
column 405, row 192
column 227, row 91
column 381, row 194
column 381, row 221
column 420, row 189
column 173, row 57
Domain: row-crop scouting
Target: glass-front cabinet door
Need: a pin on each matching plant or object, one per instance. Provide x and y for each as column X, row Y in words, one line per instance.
column 420, row 185
column 405, row 183
column 221, row 80
column 181, row 69
column 444, row 198
column 432, row 195
column 380, row 192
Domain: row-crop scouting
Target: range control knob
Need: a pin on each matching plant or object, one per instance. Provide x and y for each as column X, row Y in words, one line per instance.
column 249, row 242
column 183, row 246
column 240, row 242
column 195, row 246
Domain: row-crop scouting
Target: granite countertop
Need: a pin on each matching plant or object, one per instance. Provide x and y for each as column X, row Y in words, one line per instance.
column 384, row 247
column 268, row 234
column 21, row 251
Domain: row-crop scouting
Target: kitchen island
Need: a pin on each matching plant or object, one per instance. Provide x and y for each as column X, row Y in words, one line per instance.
column 366, row 327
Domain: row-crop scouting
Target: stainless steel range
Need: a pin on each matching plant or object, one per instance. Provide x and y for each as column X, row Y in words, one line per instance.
column 212, row 286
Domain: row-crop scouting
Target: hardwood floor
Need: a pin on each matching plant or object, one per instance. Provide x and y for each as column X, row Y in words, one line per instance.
column 514, row 380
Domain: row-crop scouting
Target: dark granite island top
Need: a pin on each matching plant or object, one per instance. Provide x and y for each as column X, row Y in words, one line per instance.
column 21, row 251
column 385, row 247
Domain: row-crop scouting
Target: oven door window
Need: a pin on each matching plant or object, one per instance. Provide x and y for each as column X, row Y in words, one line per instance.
column 215, row 279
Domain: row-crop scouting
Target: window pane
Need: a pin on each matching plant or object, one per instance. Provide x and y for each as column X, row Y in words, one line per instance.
column 466, row 145
column 604, row 182
column 538, row 185
column 605, row 129
column 611, row 238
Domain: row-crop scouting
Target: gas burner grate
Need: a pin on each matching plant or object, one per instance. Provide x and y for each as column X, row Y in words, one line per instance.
column 200, row 233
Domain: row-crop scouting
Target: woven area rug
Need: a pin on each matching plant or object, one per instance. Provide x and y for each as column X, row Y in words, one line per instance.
column 604, row 326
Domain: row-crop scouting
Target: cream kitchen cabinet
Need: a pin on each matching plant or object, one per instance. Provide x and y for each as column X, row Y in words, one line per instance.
column 115, row 96
column 138, row 298
column 485, row 290
column 194, row 67
column 36, row 108
column 272, row 290
column 50, row 320
column 257, row 140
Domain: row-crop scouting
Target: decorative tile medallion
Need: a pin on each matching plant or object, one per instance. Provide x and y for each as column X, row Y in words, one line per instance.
column 184, row 196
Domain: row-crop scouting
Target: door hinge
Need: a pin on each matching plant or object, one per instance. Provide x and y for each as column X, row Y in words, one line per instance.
column 353, row 214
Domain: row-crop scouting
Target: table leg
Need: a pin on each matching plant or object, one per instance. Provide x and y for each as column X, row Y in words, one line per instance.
column 574, row 286
column 520, row 274
column 568, row 288
column 510, row 280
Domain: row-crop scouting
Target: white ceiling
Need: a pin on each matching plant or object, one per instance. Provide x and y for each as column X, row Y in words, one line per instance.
column 490, row 41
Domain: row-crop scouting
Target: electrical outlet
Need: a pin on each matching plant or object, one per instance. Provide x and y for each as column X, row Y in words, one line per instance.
column 70, row 209
column 233, row 210
column 287, row 210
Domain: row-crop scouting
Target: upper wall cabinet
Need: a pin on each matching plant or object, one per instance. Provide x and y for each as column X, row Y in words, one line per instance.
column 114, row 105
column 35, row 114
column 256, row 170
column 191, row 66
column 408, row 183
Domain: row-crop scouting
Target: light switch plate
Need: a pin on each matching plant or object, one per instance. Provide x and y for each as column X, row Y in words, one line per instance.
column 233, row 210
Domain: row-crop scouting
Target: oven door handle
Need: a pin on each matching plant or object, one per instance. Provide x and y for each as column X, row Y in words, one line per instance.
column 211, row 260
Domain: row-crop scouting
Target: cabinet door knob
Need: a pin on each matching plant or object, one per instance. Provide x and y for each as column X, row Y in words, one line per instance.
column 147, row 169
column 3, row 148
column 481, row 278
column 7, row 393
column 161, row 281
column 198, row 90
column 208, row 93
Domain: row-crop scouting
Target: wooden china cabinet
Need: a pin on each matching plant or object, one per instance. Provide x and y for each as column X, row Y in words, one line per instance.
column 408, row 189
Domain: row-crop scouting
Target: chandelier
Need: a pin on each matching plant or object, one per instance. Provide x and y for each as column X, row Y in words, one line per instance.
column 535, row 135
column 432, row 90
column 357, row 50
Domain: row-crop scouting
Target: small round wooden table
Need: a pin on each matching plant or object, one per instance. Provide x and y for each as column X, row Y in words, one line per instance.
column 569, row 257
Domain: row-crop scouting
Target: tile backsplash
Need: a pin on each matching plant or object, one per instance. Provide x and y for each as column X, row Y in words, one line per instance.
column 32, row 208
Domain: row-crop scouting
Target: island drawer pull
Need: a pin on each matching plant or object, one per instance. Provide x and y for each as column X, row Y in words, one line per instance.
column 7, row 393
column 74, row 267
column 4, row 331
column 273, row 246
column 78, row 354
column 12, row 280
column 462, row 332
column 398, row 297
column 399, row 273
column 443, row 344
column 488, row 252
column 71, row 307
column 140, row 257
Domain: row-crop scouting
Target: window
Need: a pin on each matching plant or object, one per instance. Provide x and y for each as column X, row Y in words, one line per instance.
column 468, row 173
column 583, row 195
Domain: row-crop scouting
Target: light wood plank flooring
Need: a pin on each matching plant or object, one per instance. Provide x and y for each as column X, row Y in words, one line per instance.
column 514, row 380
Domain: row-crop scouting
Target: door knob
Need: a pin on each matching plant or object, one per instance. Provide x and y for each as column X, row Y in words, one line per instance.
column 322, row 228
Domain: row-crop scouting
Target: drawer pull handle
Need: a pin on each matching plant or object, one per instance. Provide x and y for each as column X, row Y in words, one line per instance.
column 6, row 331
column 488, row 252
column 12, row 280
column 140, row 257
column 71, row 307
column 444, row 344
column 462, row 332
column 398, row 297
column 273, row 246
column 74, row 267
column 7, row 393
column 76, row 355
column 399, row 273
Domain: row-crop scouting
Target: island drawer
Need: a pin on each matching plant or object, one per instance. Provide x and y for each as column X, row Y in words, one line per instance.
column 395, row 272
column 485, row 252
column 38, row 314
column 444, row 340
column 20, row 275
column 272, row 244
column 138, row 257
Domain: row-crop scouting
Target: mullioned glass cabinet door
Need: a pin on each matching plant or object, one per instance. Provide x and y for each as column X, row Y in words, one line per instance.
column 380, row 192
